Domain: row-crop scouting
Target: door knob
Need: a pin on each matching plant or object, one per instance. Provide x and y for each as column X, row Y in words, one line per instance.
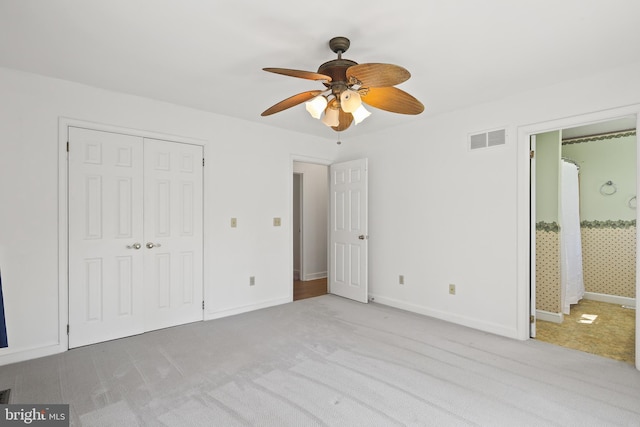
column 361, row 237
column 151, row 245
column 134, row 246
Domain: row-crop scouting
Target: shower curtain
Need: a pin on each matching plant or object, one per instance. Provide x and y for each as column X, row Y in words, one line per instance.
column 571, row 280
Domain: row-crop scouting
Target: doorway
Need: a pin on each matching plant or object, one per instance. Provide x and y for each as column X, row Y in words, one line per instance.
column 310, row 226
column 601, row 319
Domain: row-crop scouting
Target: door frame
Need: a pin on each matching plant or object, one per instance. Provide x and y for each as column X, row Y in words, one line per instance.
column 526, row 204
column 532, row 238
column 302, row 159
column 63, row 207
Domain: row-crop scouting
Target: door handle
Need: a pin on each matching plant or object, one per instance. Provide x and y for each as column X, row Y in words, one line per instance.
column 134, row 246
column 362, row 237
column 151, row 245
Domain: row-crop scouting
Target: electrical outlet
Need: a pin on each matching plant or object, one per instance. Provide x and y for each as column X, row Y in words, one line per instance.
column 452, row 289
column 401, row 279
column 252, row 280
column 234, row 222
column 277, row 222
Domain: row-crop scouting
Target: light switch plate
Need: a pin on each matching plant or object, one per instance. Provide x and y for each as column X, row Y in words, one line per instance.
column 277, row 222
column 234, row 222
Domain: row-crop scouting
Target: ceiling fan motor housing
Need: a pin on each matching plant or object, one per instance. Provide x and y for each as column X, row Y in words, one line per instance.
column 337, row 70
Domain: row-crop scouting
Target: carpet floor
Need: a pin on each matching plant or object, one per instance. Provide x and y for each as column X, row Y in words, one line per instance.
column 328, row 361
column 608, row 330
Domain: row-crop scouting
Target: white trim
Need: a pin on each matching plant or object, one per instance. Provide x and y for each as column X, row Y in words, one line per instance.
column 31, row 353
column 532, row 242
column 611, row 299
column 494, row 328
column 63, row 228
column 548, row 316
column 315, row 276
column 226, row 312
column 523, row 205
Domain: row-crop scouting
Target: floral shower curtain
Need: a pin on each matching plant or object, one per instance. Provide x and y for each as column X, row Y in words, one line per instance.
column 572, row 281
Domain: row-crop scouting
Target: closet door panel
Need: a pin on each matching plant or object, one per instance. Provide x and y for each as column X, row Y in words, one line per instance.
column 173, row 233
column 105, row 224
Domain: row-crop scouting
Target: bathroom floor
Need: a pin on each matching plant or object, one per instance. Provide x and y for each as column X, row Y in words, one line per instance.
column 595, row 327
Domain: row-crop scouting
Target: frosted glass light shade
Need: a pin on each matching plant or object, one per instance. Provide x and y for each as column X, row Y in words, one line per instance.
column 316, row 106
column 360, row 114
column 331, row 117
column 350, row 101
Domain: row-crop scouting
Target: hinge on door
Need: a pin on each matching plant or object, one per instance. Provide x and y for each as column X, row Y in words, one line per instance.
column 203, row 161
column 532, row 319
column 203, row 304
column 67, row 146
column 531, row 154
column 67, row 329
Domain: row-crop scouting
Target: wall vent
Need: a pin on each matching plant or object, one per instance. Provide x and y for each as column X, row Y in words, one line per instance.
column 487, row 139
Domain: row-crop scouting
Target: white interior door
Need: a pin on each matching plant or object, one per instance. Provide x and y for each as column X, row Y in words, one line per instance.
column 348, row 230
column 105, row 236
column 173, row 233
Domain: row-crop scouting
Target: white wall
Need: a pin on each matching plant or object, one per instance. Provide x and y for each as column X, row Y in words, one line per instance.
column 442, row 214
column 315, row 213
column 247, row 175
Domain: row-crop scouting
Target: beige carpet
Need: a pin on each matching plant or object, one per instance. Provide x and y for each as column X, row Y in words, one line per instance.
column 328, row 361
column 608, row 330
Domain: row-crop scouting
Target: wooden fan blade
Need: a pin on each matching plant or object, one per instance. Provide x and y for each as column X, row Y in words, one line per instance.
column 378, row 75
column 292, row 101
column 299, row 73
column 392, row 99
column 345, row 120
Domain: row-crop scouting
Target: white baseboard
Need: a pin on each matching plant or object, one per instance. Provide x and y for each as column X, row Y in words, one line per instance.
column 210, row 315
column 549, row 316
column 34, row 353
column 612, row 299
column 314, row 276
column 481, row 325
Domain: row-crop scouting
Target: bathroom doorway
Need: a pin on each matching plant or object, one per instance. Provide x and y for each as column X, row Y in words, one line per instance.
column 601, row 318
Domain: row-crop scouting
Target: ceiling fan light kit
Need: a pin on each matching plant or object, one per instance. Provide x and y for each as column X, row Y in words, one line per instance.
column 316, row 106
column 349, row 86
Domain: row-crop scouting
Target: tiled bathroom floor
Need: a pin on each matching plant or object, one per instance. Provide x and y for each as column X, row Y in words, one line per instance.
column 594, row 327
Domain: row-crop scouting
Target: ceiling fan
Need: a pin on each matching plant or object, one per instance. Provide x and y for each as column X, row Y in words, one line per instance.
column 348, row 86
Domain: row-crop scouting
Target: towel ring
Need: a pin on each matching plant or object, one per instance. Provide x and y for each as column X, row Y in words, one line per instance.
column 632, row 202
column 608, row 188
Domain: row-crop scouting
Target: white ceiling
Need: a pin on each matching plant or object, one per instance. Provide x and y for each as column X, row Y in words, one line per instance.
column 209, row 54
